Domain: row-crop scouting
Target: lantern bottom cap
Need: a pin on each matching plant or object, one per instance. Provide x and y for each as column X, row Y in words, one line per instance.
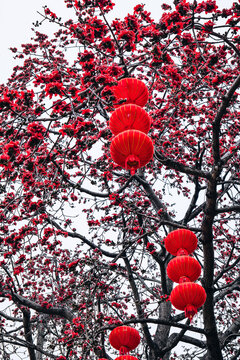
column 190, row 311
column 132, row 162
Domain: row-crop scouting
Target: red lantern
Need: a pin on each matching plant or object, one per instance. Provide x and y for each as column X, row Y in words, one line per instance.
column 183, row 268
column 181, row 242
column 131, row 149
column 188, row 297
column 124, row 339
column 133, row 91
column 129, row 117
column 126, row 357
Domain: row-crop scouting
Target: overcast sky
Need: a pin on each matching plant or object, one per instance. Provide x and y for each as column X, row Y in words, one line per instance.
column 16, row 18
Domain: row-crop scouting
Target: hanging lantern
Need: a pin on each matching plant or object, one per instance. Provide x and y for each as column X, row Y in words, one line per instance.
column 130, row 91
column 131, row 149
column 181, row 242
column 183, row 268
column 126, row 357
column 124, row 339
column 129, row 117
column 188, row 297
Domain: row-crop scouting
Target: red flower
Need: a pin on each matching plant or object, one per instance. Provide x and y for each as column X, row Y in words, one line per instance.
column 127, row 35
column 27, row 179
column 54, row 88
column 108, row 45
column 73, row 264
column 12, row 149
column 67, row 129
column 208, row 26
column 18, row 269
column 4, row 160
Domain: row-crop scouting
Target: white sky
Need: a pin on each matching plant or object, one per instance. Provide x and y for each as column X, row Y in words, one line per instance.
column 16, row 18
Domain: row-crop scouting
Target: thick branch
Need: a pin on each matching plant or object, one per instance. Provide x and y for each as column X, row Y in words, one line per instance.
column 193, row 341
column 214, row 351
column 156, row 202
column 54, row 310
column 228, row 209
column 174, row 340
column 176, row 337
column 175, row 165
column 28, row 332
column 159, row 321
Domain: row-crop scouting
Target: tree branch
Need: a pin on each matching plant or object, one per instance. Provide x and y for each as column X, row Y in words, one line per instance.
column 54, row 310
column 22, row 343
column 176, row 337
column 83, row 238
column 233, row 208
column 28, row 332
column 158, row 321
column 156, row 202
column 231, row 333
column 175, row 165
column 89, row 192
column 216, row 123
column 140, row 312
column 11, row 318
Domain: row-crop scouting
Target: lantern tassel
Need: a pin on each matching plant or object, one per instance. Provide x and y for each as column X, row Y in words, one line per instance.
column 132, row 162
column 190, row 311
column 123, row 350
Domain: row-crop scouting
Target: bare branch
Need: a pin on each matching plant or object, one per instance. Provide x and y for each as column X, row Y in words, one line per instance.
column 84, row 239
column 175, row 165
column 231, row 333
column 54, row 310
